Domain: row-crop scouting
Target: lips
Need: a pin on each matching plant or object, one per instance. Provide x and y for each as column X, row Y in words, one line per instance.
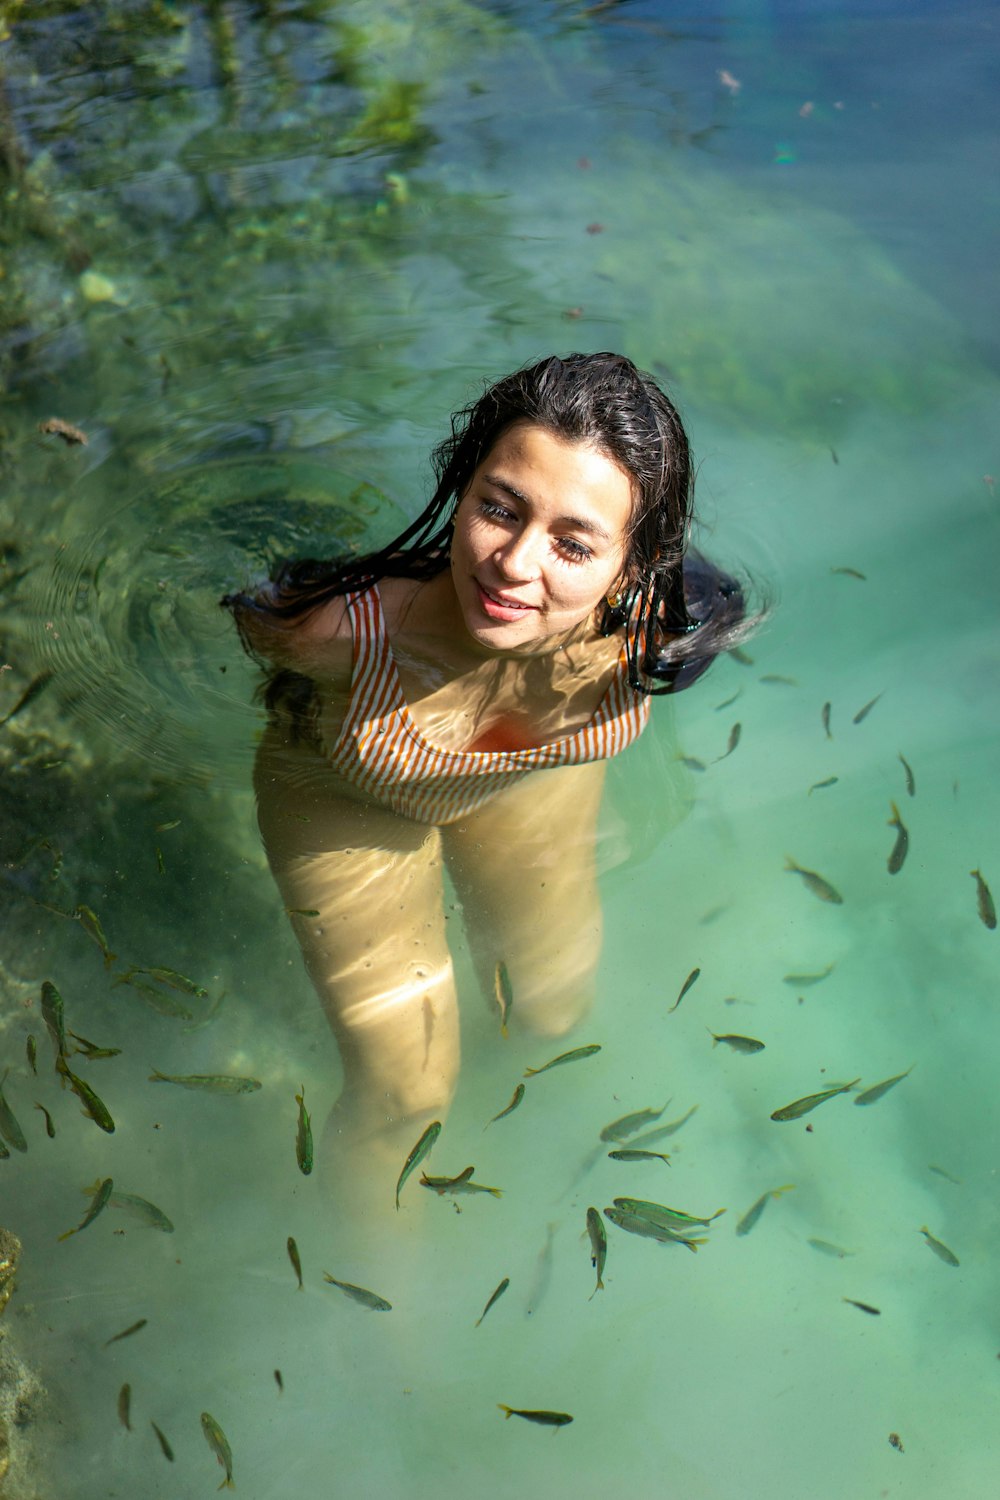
column 500, row 606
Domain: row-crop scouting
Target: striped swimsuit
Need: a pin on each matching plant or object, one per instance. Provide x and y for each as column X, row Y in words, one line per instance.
column 381, row 751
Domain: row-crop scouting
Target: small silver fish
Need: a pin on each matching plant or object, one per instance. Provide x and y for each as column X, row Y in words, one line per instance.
column 598, row 1246
column 360, row 1294
column 564, row 1057
column 818, row 786
column 755, row 1210
column 416, row 1156
column 820, row 888
column 801, row 981
column 825, row 718
column 503, row 994
column 304, row 1136
column 733, row 741
column 745, row 1044
column 875, row 1092
column 516, row 1098
column 293, row 1256
column 100, row 1201
column 863, row 713
column 799, row 1107
column 689, row 981
column 124, row 1406
column 940, row 1250
column 216, row 1439
column 984, row 900
column 635, row 1153
column 494, row 1297
column 911, row 785
column 211, row 1083
column 626, row 1125
column 902, row 844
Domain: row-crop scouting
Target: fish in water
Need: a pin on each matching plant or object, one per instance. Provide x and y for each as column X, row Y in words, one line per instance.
column 598, row 1246
column 546, row 1418
column 669, row 1218
column 30, row 693
column 819, row 887
column 175, row 981
column 216, row 1439
column 745, row 1044
column 494, row 1297
column 849, row 572
column 866, row 1307
column 825, row 719
column 818, row 786
column 863, row 713
column 360, row 1294
column 56, row 427
column 100, row 1201
column 634, row 1224
column 911, row 785
column 692, row 763
column 90, row 922
column 293, row 1256
column 543, row 1271
column 165, row 1448
column 279, row 1382
column 689, row 981
column 90, row 1050
column 52, row 1015
column 660, row 1132
column 799, row 1107
column 826, row 1248
column 728, row 702
column 637, row 1154
column 941, row 1251
column 733, row 741
column 124, row 1406
column 126, row 1332
column 755, row 1210
column 416, row 1156
column 984, row 900
column 139, row 1208
column 516, row 1098
column 463, row 1183
column 801, row 981
column 564, row 1057
column 503, row 994
column 31, row 1052
column 777, row 679
column 626, row 1125
column 875, row 1092
column 902, row 844
column 50, row 1129
column 304, row 1136
column 9, row 1127
column 94, row 1106
column 159, row 1000
column 212, row 1083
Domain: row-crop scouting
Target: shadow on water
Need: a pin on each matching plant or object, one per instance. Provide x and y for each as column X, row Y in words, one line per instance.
column 255, row 253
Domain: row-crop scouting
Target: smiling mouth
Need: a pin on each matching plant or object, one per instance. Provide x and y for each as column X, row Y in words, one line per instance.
column 501, row 600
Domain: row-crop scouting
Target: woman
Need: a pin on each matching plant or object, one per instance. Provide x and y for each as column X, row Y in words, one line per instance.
column 449, row 701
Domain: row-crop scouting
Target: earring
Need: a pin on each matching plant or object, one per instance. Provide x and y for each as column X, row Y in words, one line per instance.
column 614, row 600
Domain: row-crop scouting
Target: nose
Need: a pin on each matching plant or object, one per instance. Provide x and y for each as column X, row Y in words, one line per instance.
column 518, row 559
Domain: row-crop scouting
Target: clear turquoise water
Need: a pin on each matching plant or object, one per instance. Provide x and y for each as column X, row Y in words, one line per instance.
column 319, row 227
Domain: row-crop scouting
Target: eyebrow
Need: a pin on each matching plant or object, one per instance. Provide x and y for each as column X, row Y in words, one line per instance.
column 575, row 523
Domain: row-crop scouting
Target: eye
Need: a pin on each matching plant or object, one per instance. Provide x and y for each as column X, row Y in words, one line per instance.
column 574, row 551
column 494, row 512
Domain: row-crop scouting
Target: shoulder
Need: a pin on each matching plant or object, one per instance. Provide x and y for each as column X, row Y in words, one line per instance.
column 317, row 644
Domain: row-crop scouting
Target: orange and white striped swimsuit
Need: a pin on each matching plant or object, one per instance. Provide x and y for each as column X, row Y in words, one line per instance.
column 381, row 751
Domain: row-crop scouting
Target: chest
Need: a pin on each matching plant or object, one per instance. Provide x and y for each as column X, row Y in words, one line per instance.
column 505, row 705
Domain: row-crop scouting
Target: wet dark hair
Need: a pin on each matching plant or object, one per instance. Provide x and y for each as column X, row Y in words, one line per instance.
column 679, row 610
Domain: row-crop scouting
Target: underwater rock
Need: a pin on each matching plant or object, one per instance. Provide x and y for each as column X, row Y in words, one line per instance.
column 10, row 1255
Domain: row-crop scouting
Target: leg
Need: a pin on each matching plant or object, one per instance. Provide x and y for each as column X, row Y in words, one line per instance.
column 523, row 866
column 376, row 951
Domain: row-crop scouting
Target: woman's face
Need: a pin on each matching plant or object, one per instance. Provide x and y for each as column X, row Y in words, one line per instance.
column 539, row 539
